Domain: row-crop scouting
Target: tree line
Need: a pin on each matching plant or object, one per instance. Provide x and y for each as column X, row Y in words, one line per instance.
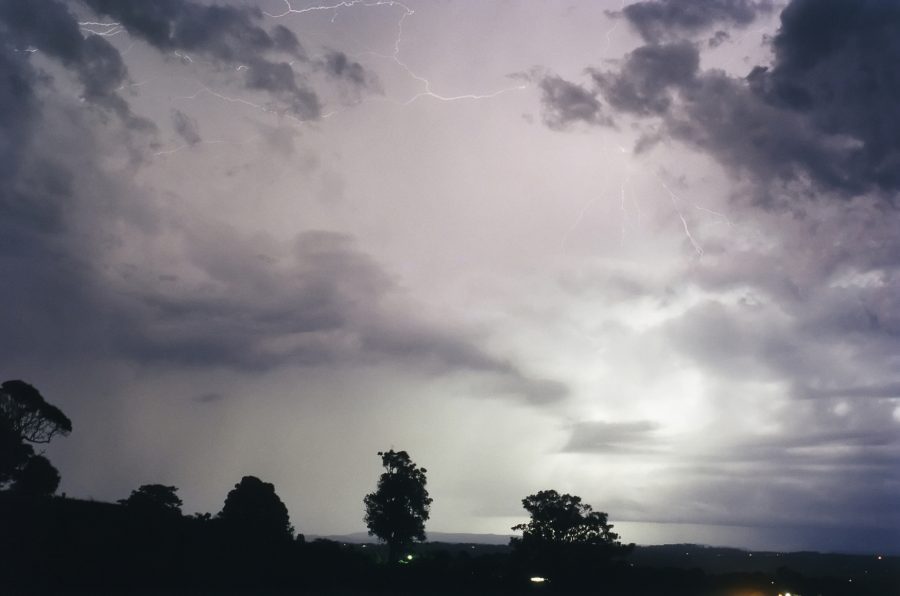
column 254, row 524
column 145, row 544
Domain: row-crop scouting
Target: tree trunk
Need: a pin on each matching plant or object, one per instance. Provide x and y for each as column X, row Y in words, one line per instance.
column 393, row 552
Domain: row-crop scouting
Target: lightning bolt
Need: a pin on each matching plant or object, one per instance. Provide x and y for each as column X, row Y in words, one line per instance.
column 395, row 56
column 102, row 29
column 427, row 90
column 721, row 216
column 250, row 104
column 183, row 146
column 584, row 209
column 610, row 31
column 687, row 230
column 623, row 207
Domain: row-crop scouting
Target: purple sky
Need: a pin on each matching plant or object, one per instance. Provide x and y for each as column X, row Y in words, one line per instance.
column 647, row 253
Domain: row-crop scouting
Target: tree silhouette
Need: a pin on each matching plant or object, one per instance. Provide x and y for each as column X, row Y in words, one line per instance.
column 254, row 513
column 36, row 478
column 14, row 453
column 25, row 418
column 564, row 535
column 153, row 500
column 396, row 512
column 30, row 417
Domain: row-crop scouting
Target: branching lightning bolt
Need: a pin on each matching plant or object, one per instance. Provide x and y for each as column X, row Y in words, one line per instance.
column 687, row 230
column 102, row 29
column 623, row 207
column 113, row 28
column 395, row 55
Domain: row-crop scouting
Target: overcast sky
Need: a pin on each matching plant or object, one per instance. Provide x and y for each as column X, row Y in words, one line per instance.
column 646, row 253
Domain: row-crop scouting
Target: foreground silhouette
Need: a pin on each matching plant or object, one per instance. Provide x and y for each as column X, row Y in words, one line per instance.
column 397, row 511
column 566, row 540
column 143, row 544
column 27, row 419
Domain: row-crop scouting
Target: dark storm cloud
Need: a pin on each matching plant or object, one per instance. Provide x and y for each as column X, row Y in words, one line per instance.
column 831, row 465
column 279, row 80
column 647, row 77
column 231, row 35
column 835, row 64
column 718, row 38
column 889, row 390
column 565, row 103
column 719, row 115
column 825, row 111
column 611, row 437
column 338, row 65
column 324, row 305
column 186, row 127
column 825, row 342
column 49, row 27
column 18, row 112
column 659, row 20
column 225, row 34
column 209, row 398
column 36, row 184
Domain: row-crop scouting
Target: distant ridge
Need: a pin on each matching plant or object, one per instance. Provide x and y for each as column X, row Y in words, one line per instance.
column 451, row 537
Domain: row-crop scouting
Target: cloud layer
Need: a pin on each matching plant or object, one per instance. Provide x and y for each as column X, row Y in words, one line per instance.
column 670, row 288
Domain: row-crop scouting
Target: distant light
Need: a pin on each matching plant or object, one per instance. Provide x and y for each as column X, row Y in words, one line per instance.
column 879, row 557
column 409, row 557
column 787, row 594
column 538, row 580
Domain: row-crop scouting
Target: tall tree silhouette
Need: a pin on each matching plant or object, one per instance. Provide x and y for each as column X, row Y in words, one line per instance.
column 25, row 419
column 255, row 514
column 396, row 512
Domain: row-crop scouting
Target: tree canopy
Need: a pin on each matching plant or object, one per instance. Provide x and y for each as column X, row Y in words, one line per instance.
column 37, row 477
column 398, row 509
column 29, row 415
column 25, row 419
column 564, row 535
column 564, row 519
column 154, row 499
column 254, row 512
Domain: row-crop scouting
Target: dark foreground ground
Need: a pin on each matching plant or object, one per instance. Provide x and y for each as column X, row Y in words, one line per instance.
column 68, row 546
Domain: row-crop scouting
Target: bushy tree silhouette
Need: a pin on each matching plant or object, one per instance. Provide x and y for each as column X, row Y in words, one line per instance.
column 565, row 537
column 255, row 514
column 153, row 500
column 36, row 478
column 397, row 511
